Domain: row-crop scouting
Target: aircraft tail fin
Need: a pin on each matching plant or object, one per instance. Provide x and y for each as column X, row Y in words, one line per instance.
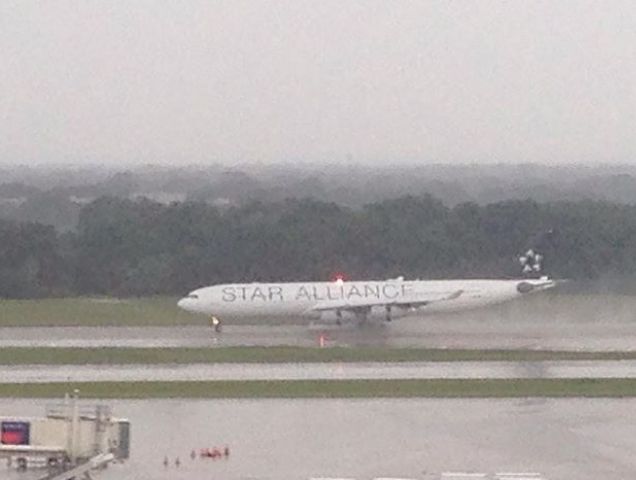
column 532, row 260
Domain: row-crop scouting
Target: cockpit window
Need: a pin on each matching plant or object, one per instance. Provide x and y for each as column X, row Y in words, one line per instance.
column 193, row 296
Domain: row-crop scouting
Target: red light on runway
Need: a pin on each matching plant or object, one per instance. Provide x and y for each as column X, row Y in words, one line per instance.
column 339, row 277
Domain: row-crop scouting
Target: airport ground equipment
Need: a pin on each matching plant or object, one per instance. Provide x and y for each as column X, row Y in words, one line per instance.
column 69, row 436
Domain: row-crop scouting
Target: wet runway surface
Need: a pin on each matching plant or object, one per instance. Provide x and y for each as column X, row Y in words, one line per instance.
column 428, row 333
column 573, row 439
column 318, row 371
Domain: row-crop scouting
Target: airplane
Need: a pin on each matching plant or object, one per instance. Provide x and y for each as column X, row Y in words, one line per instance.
column 339, row 300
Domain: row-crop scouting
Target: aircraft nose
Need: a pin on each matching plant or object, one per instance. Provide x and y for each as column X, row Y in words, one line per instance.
column 190, row 302
column 185, row 303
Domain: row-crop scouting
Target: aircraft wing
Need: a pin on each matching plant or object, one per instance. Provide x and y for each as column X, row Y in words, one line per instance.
column 364, row 304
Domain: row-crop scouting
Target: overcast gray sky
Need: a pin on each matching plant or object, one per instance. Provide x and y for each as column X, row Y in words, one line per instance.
column 180, row 82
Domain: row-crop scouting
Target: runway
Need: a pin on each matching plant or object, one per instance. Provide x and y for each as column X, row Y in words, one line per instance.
column 319, row 371
column 462, row 332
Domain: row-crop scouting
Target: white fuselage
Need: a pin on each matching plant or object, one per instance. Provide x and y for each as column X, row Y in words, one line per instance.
column 325, row 300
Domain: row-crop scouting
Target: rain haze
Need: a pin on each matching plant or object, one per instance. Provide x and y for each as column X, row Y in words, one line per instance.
column 125, row 83
column 337, row 238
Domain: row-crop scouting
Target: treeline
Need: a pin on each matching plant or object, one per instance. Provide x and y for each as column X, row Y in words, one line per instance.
column 56, row 196
column 123, row 247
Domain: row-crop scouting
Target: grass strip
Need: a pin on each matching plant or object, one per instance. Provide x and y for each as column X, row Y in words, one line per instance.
column 96, row 312
column 122, row 356
column 491, row 388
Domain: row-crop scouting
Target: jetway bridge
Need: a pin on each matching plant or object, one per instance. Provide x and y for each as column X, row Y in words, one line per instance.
column 69, row 438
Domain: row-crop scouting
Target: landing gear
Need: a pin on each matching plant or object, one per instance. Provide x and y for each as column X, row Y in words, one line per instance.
column 338, row 317
column 362, row 315
column 388, row 313
column 215, row 323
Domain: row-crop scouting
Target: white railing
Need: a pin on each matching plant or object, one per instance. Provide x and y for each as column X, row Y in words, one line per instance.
column 99, row 461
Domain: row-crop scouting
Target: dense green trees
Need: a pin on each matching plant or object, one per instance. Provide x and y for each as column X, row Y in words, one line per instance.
column 32, row 262
column 125, row 247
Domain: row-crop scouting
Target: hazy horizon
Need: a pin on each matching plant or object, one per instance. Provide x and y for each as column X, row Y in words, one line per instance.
column 122, row 84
